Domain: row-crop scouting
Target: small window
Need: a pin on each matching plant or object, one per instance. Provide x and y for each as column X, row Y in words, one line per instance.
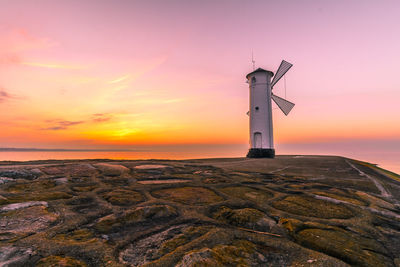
column 257, row 108
column 253, row 80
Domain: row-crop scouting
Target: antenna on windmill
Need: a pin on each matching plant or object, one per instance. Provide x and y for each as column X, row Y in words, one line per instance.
column 252, row 60
column 260, row 113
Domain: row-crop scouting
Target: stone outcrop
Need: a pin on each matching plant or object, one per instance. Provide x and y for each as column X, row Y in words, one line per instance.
column 286, row 211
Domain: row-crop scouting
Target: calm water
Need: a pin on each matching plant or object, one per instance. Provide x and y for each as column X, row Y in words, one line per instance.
column 386, row 158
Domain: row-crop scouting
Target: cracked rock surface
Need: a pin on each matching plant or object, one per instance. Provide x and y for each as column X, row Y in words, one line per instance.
column 287, row 211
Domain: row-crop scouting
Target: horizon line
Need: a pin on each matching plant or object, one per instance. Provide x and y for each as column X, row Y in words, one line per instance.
column 23, row 149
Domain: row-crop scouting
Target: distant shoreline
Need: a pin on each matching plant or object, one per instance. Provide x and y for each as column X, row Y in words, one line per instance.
column 13, row 149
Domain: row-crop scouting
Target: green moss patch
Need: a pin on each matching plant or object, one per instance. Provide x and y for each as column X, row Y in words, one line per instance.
column 188, row 195
column 116, row 181
column 241, row 217
column 31, row 187
column 290, row 224
column 351, row 200
column 139, row 215
column 350, row 248
column 161, row 243
column 82, row 188
column 58, row 261
column 187, row 235
column 214, row 180
column 35, row 191
column 311, row 207
column 375, row 201
column 238, row 253
column 122, row 197
column 81, row 235
column 247, row 193
column 362, row 184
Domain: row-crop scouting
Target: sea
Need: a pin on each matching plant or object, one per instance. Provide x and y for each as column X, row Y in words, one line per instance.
column 385, row 157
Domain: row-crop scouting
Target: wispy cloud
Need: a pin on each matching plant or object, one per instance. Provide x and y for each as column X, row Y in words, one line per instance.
column 120, row 79
column 5, row 96
column 61, row 125
column 16, row 42
column 56, row 125
column 101, row 117
column 50, row 65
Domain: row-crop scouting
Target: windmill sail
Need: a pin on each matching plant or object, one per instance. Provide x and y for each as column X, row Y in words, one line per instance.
column 283, row 68
column 283, row 104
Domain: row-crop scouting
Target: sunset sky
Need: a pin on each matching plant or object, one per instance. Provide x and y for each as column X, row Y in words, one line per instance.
column 122, row 74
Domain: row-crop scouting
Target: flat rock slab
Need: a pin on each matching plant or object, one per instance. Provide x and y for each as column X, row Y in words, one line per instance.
column 75, row 170
column 287, row 211
column 111, row 169
column 150, row 166
column 19, row 174
column 15, row 256
column 22, row 205
column 4, row 180
column 165, row 181
column 26, row 220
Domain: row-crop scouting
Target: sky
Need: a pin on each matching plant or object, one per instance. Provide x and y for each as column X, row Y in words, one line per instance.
column 124, row 74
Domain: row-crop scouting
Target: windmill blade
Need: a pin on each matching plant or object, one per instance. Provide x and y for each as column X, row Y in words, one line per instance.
column 283, row 68
column 283, row 104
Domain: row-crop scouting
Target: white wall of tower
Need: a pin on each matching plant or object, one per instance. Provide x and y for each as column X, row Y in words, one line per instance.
column 260, row 110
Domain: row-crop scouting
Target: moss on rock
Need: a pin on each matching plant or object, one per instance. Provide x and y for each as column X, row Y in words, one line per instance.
column 238, row 253
column 26, row 220
column 290, row 224
column 330, row 212
column 246, row 217
column 34, row 191
column 138, row 215
column 59, row 261
column 122, row 197
column 258, row 196
column 344, row 245
column 31, row 187
column 309, row 206
column 188, row 195
column 353, row 200
column 80, row 235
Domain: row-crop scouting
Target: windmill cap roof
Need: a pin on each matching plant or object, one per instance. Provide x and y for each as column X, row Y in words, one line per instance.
column 259, row 70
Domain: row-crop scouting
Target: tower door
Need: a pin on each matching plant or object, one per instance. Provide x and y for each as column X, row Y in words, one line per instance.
column 257, row 140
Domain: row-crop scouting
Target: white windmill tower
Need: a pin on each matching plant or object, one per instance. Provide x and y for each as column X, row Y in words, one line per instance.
column 261, row 131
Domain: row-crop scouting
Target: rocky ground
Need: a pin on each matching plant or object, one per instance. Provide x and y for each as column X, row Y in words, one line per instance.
column 287, row 211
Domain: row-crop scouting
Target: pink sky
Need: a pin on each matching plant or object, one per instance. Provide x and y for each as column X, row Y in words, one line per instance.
column 96, row 74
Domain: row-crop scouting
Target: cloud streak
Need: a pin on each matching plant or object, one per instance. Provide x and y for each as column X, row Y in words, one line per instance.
column 101, row 117
column 50, row 66
column 57, row 125
column 15, row 43
column 62, row 125
column 120, row 79
column 5, row 96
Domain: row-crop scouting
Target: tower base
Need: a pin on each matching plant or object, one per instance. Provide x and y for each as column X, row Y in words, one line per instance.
column 261, row 153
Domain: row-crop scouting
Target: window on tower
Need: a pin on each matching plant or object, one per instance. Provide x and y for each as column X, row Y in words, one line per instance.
column 257, row 108
column 253, row 80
